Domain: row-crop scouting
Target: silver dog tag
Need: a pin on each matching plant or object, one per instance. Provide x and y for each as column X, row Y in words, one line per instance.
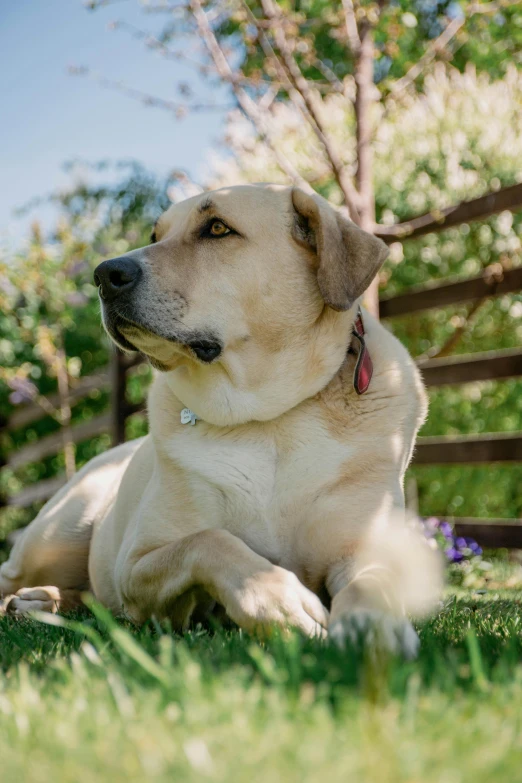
column 188, row 417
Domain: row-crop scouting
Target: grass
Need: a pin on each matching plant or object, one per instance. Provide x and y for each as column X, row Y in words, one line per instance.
column 99, row 701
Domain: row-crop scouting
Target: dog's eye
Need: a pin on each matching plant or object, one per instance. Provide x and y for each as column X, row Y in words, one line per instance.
column 218, row 229
column 215, row 229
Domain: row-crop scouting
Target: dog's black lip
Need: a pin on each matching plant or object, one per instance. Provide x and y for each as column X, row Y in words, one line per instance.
column 119, row 338
column 205, row 349
column 112, row 321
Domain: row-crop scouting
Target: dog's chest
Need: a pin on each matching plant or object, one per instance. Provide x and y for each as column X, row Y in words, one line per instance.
column 253, row 486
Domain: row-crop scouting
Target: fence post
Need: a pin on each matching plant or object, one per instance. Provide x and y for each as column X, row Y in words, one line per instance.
column 3, row 457
column 118, row 372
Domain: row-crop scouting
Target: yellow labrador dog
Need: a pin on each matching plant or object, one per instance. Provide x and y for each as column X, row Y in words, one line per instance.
column 281, row 424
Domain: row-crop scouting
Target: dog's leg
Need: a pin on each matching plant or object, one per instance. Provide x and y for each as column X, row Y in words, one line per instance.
column 254, row 593
column 42, row 599
column 54, row 548
column 394, row 574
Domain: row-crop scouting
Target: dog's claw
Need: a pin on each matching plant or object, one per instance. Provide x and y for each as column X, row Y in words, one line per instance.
column 377, row 629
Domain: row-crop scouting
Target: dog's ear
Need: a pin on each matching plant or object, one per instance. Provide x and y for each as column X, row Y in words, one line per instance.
column 348, row 257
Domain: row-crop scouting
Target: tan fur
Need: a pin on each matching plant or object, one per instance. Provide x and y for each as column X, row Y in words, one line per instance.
column 265, row 503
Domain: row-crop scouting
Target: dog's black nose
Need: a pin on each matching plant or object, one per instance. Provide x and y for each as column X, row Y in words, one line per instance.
column 117, row 276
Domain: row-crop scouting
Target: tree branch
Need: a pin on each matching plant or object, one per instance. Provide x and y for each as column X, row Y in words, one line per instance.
column 494, row 273
column 285, row 81
column 431, row 52
column 363, row 102
column 39, row 399
column 439, row 44
column 92, row 5
column 62, row 377
column 364, row 98
column 451, row 343
column 330, row 75
column 177, row 108
column 298, row 81
column 247, row 104
column 351, row 27
column 154, row 43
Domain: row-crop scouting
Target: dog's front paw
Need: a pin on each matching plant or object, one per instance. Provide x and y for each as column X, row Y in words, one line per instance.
column 377, row 630
column 275, row 596
column 31, row 599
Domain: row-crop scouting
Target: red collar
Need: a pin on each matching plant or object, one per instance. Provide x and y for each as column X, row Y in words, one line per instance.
column 363, row 372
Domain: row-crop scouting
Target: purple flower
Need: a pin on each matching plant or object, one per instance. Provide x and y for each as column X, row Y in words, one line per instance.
column 446, row 529
column 456, row 548
column 453, row 555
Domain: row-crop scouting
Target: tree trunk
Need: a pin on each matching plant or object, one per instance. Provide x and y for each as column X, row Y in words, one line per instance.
column 363, row 109
column 118, row 403
column 65, row 412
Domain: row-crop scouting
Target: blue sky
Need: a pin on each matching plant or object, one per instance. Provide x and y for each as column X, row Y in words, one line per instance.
column 49, row 116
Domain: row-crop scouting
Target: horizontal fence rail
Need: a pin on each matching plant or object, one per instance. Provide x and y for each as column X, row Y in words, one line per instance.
column 29, row 414
column 469, row 449
column 37, row 493
column 467, row 368
column 438, row 220
column 112, row 421
column 51, row 444
column 491, row 533
column 491, row 282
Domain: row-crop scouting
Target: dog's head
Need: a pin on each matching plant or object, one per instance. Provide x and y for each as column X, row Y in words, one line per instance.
column 240, row 298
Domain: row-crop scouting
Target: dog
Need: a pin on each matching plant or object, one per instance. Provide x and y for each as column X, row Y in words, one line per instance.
column 282, row 420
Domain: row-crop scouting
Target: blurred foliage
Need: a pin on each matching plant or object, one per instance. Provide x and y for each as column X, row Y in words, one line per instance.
column 490, row 36
column 47, row 295
column 50, row 281
column 43, row 292
column 470, row 491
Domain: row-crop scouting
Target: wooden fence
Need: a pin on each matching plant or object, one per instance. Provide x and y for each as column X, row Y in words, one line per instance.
column 463, row 450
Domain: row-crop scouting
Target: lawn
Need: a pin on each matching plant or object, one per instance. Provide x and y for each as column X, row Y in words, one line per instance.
column 100, row 701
